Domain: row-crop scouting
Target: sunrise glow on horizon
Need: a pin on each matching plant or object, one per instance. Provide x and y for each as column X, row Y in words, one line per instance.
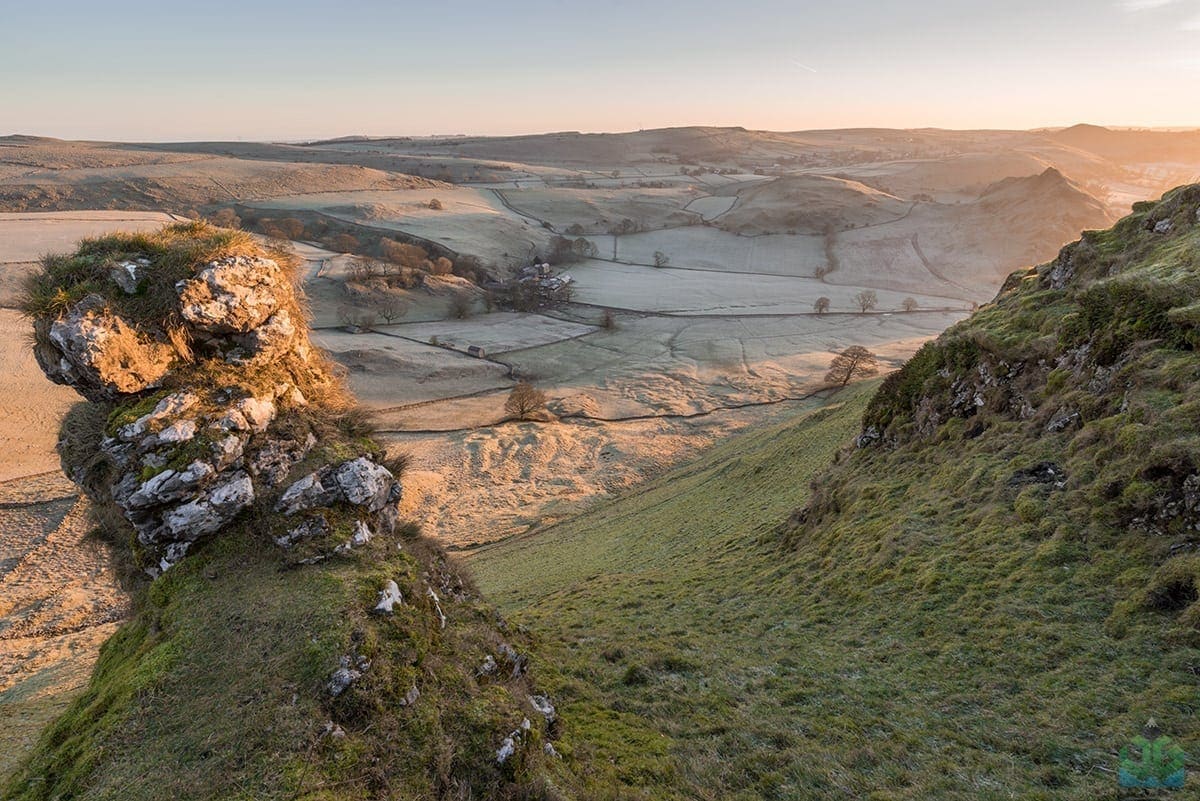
column 133, row 70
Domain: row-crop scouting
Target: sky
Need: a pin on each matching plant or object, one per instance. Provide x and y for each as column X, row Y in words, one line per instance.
column 131, row 70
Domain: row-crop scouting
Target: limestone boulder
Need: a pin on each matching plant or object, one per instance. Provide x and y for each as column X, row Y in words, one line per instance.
column 98, row 353
column 360, row 482
column 233, row 295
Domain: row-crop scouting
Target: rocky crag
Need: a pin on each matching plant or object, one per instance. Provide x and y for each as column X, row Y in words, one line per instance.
column 292, row 636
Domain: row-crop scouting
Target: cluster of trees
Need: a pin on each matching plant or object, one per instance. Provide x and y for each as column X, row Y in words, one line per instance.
column 529, row 295
column 564, row 250
column 866, row 300
column 378, row 286
column 414, row 257
column 696, row 171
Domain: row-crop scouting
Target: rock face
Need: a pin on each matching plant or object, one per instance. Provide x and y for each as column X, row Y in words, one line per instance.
column 359, row 482
column 183, row 465
column 234, row 295
column 99, row 353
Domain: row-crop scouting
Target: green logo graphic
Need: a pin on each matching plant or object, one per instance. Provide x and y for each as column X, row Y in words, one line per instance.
column 1152, row 760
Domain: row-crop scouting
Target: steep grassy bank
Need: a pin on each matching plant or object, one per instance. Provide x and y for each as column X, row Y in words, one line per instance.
column 677, row 605
column 985, row 598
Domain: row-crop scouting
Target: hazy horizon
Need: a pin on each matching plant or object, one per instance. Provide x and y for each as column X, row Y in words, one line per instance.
column 535, row 133
column 139, row 71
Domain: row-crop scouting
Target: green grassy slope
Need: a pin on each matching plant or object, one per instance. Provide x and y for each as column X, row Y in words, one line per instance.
column 674, row 604
column 935, row 622
column 216, row 690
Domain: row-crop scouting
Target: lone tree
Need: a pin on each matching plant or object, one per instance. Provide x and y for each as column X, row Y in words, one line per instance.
column 867, row 299
column 854, row 362
column 909, row 304
column 524, row 400
column 462, row 305
column 661, row 259
column 821, row 305
column 389, row 307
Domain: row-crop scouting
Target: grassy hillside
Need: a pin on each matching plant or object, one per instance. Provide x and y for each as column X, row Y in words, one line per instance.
column 676, row 605
column 987, row 599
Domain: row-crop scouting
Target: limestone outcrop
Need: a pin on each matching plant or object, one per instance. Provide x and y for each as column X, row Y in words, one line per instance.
column 206, row 377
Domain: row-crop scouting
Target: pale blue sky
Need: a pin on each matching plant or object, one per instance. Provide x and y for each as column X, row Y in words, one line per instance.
column 125, row 69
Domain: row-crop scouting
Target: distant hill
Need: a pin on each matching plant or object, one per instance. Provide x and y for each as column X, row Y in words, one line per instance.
column 809, row 204
column 1131, row 145
column 1044, row 208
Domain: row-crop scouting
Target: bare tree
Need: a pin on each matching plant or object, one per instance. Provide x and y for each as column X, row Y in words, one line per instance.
column 355, row 319
column 909, row 304
column 292, row 228
column 625, row 226
column 362, row 268
column 462, row 305
column 854, row 362
column 867, row 299
column 524, row 400
column 821, row 305
column 389, row 307
column 661, row 259
column 585, row 248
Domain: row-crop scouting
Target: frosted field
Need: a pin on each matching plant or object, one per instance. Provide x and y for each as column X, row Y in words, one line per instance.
column 675, row 291
column 705, row 248
column 496, row 333
column 713, row 206
column 885, row 257
column 596, row 210
column 471, row 220
column 387, row 371
column 27, row 236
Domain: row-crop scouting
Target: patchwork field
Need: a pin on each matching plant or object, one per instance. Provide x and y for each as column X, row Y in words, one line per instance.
column 682, row 291
column 707, row 248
